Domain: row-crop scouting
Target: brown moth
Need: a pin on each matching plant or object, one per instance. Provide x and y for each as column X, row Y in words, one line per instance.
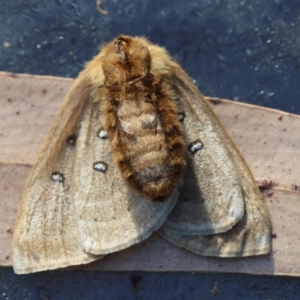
column 132, row 130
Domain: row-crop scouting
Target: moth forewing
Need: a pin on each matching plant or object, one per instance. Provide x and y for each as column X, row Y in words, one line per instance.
column 250, row 236
column 45, row 235
column 211, row 200
column 110, row 216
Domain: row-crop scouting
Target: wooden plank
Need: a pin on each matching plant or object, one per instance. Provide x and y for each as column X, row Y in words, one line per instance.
column 267, row 138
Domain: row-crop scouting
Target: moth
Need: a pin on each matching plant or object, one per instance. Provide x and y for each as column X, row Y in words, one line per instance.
column 135, row 148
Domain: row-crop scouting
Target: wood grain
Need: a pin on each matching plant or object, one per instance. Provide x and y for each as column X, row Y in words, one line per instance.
column 267, row 138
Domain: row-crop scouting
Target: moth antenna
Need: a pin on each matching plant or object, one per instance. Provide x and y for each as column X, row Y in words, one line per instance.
column 123, row 55
column 117, row 48
column 121, row 49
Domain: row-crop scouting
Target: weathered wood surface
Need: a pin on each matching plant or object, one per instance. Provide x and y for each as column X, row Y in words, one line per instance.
column 268, row 139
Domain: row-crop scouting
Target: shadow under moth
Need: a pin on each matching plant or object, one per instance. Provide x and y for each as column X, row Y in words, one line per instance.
column 135, row 149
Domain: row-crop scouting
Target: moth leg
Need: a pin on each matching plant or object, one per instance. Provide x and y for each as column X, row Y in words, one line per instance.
column 110, row 85
column 137, row 79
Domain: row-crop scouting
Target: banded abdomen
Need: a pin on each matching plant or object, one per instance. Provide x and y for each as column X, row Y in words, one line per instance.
column 147, row 142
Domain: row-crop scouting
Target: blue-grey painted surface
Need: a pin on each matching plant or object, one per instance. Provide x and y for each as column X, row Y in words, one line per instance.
column 243, row 50
column 155, row 286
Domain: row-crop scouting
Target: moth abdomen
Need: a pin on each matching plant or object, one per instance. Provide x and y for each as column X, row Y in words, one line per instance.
column 156, row 182
column 150, row 157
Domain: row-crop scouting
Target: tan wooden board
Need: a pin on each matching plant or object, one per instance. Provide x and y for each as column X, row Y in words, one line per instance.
column 268, row 139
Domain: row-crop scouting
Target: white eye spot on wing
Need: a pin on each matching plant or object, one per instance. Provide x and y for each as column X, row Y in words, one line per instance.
column 195, row 146
column 56, row 176
column 100, row 166
column 102, row 134
column 71, row 140
column 181, row 116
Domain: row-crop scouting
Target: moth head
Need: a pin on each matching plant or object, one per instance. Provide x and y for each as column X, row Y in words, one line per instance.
column 128, row 62
column 138, row 62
